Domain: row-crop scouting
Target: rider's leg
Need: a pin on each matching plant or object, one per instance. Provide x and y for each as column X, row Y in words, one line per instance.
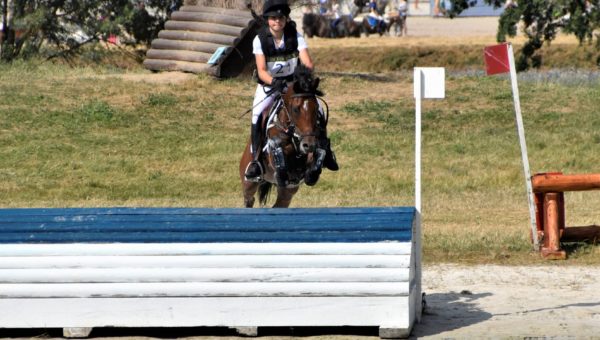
column 254, row 169
column 330, row 162
column 261, row 102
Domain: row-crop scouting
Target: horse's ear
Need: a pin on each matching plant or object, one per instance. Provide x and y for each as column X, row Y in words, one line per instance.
column 316, row 83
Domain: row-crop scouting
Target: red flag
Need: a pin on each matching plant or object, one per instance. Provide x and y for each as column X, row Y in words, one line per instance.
column 496, row 59
column 113, row 39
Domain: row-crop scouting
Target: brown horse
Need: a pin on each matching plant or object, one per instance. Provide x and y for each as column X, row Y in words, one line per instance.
column 294, row 152
column 315, row 25
column 373, row 26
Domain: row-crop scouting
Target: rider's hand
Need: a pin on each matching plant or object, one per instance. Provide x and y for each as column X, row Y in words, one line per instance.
column 278, row 84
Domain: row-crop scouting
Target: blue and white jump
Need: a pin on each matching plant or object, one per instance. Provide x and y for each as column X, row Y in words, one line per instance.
column 82, row 268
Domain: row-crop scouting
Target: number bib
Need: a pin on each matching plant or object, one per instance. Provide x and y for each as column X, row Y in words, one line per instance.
column 282, row 68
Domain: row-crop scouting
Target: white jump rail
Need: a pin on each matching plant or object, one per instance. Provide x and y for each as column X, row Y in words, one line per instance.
column 78, row 269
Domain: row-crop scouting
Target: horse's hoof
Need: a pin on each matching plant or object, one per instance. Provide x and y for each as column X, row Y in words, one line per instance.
column 311, row 178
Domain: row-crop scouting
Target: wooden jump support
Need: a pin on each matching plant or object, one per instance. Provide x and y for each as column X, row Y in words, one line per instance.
column 549, row 191
column 194, row 33
column 81, row 268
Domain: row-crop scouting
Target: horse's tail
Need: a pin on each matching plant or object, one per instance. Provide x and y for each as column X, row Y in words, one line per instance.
column 263, row 192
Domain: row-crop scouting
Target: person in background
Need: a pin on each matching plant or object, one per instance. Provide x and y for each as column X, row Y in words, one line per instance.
column 403, row 14
column 323, row 7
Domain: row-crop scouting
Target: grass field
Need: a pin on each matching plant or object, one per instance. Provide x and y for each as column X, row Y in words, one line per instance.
column 109, row 136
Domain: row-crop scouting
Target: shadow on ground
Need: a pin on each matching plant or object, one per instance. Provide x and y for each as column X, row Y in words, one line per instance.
column 449, row 311
column 221, row 333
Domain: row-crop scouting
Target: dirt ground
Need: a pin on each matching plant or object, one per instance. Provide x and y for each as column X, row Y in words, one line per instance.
column 554, row 301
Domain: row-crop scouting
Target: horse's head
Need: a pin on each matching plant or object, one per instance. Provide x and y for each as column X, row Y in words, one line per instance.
column 303, row 108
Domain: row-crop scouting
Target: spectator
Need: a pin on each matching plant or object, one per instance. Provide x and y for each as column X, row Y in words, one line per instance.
column 323, row 7
column 335, row 14
column 373, row 12
column 403, row 14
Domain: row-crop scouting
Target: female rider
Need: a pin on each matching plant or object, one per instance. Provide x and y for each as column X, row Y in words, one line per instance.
column 277, row 48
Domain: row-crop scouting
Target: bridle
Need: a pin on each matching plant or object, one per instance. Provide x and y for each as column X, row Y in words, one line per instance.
column 290, row 129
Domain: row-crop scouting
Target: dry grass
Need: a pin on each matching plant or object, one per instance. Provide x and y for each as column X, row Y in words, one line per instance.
column 104, row 137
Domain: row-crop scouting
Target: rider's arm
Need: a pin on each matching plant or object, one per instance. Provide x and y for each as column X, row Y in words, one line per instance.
column 261, row 68
column 303, row 53
column 306, row 59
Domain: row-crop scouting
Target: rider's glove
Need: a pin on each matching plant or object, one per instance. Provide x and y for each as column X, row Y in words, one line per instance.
column 278, row 84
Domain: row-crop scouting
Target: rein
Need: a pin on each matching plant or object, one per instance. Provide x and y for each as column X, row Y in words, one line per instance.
column 290, row 129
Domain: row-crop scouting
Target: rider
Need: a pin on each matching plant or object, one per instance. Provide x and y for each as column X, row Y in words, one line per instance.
column 277, row 48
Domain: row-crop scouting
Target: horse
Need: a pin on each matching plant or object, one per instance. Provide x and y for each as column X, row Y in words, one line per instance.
column 294, row 152
column 371, row 25
column 315, row 25
column 346, row 27
column 323, row 27
column 359, row 6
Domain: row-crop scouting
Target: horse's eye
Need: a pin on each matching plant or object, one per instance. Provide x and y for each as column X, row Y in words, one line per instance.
column 295, row 110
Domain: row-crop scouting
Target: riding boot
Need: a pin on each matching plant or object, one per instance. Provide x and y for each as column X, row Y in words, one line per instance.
column 330, row 162
column 254, row 169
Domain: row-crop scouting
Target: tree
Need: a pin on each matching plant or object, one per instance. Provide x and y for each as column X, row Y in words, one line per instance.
column 542, row 21
column 66, row 25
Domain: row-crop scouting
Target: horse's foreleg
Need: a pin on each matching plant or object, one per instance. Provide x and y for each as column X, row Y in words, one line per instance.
column 284, row 197
column 249, row 189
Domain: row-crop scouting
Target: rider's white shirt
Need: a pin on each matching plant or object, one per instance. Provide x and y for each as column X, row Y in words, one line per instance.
column 280, row 68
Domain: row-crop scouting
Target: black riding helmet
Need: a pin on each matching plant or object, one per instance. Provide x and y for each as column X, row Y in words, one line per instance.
column 276, row 8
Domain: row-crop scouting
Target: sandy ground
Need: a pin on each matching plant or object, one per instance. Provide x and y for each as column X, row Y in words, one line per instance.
column 555, row 301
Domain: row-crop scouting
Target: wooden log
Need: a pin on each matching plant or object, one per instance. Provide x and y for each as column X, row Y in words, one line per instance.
column 551, row 246
column 164, row 249
column 197, row 57
column 212, row 18
column 115, row 275
column 187, row 45
column 220, row 39
column 553, row 182
column 174, row 65
column 174, row 25
column 215, row 261
column 217, row 10
column 205, row 289
column 190, row 312
column 589, row 234
column 539, row 214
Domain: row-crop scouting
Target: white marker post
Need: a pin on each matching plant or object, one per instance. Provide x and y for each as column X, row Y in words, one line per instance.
column 429, row 83
column 524, row 158
column 500, row 59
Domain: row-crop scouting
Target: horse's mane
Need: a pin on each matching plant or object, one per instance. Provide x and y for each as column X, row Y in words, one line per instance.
column 305, row 82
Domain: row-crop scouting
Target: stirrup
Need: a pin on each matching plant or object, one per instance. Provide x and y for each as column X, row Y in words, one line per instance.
column 256, row 178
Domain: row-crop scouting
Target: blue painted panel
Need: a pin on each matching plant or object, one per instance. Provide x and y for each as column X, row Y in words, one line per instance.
column 213, row 237
column 206, row 226
column 166, row 225
column 202, row 211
